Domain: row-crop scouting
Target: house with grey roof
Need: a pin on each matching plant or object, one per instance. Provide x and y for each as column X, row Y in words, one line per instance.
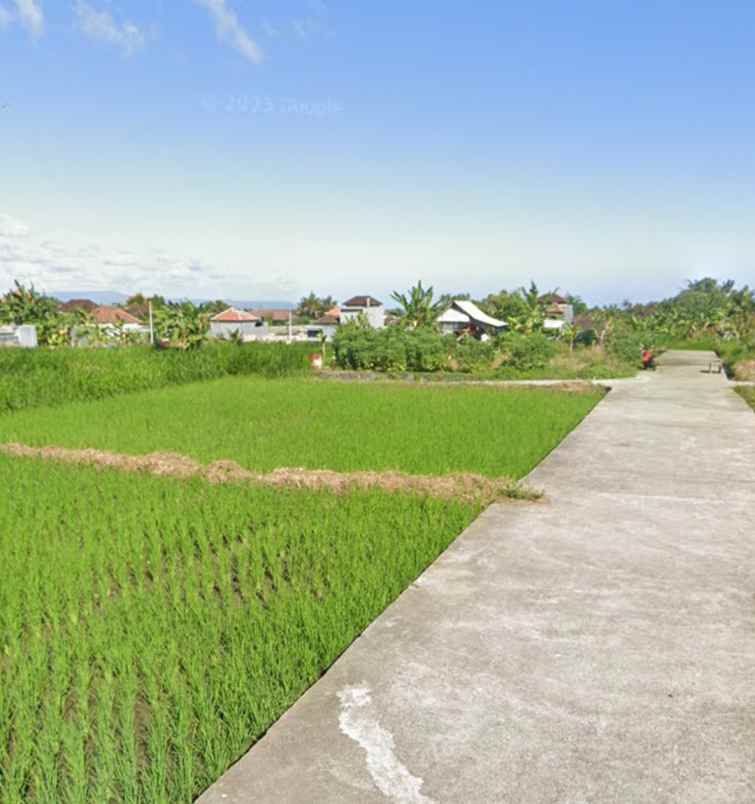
column 466, row 316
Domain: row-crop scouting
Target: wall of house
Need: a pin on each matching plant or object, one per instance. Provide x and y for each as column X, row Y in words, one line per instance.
column 24, row 336
column 225, row 329
column 375, row 315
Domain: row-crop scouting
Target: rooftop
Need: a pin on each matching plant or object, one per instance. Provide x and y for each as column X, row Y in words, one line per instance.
column 272, row 314
column 113, row 315
column 234, row 316
column 362, row 301
column 78, row 304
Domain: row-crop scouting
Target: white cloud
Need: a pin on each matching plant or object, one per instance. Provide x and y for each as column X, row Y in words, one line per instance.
column 229, row 29
column 100, row 25
column 30, row 16
column 52, row 265
column 11, row 227
column 27, row 13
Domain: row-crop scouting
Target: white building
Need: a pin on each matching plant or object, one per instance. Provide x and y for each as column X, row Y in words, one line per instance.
column 372, row 309
column 231, row 321
column 24, row 336
column 464, row 316
column 559, row 312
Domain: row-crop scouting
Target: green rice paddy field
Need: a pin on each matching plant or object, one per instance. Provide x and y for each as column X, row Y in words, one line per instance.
column 151, row 629
column 264, row 425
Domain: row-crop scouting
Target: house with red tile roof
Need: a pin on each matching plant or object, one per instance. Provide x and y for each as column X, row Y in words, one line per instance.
column 233, row 320
column 270, row 316
column 114, row 316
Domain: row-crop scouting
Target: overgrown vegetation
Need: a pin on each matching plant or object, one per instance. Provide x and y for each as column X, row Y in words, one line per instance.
column 151, row 629
column 318, row 425
column 508, row 356
column 707, row 314
column 588, row 343
column 33, row 377
column 748, row 394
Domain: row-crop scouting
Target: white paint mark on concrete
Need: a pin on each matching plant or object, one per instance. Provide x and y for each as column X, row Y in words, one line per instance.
column 359, row 722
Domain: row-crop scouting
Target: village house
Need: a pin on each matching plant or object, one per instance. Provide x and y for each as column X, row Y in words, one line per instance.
column 466, row 316
column 232, row 321
column 273, row 317
column 111, row 318
column 367, row 306
column 558, row 312
column 74, row 305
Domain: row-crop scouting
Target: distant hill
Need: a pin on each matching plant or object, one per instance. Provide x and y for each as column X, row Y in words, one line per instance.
column 99, row 296
column 251, row 305
column 115, row 297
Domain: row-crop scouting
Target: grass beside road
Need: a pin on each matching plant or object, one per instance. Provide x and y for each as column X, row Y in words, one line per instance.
column 264, row 425
column 748, row 394
column 151, row 629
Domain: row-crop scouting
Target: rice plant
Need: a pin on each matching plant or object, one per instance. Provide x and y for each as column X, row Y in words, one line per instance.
column 152, row 629
column 318, row 425
column 34, row 377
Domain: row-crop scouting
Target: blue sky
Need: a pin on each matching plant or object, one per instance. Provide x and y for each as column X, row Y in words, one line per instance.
column 256, row 149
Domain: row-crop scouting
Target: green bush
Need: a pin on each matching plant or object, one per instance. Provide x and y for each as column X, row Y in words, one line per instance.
column 733, row 352
column 390, row 349
column 472, row 355
column 627, row 346
column 33, row 377
column 428, row 351
column 528, row 351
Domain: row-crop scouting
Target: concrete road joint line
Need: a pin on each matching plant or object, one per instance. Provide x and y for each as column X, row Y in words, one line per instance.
column 358, row 721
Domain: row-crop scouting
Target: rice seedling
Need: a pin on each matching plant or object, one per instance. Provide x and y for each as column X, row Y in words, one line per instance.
column 319, row 425
column 152, row 629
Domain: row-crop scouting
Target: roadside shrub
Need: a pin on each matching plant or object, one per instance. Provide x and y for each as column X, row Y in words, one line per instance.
column 390, row 349
column 586, row 337
column 473, row 355
column 33, row 377
column 427, row 350
column 527, row 352
column 354, row 347
column 627, row 346
column 738, row 358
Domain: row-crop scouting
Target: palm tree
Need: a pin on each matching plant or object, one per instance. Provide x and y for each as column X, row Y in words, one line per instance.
column 417, row 308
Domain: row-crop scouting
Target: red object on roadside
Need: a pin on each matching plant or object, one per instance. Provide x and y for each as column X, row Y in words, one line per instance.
column 647, row 358
column 315, row 360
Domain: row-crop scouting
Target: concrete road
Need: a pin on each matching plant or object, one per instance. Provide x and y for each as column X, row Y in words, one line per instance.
column 596, row 647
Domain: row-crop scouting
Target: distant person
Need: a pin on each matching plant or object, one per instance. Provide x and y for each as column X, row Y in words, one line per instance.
column 648, row 360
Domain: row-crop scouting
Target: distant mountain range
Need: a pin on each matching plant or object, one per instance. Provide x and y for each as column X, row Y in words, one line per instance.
column 114, row 297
